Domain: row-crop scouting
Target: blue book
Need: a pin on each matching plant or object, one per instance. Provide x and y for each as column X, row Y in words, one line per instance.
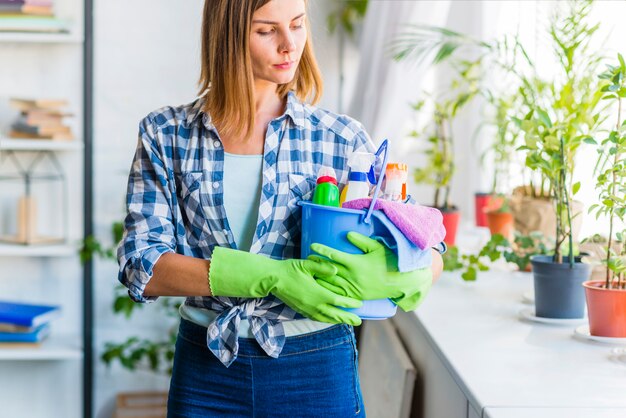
column 26, row 315
column 35, row 336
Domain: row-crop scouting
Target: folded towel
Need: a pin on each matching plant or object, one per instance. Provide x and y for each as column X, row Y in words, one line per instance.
column 410, row 257
column 422, row 225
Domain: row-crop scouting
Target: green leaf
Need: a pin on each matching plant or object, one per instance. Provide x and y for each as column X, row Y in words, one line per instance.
column 469, row 275
column 445, row 51
column 544, row 118
column 575, row 188
column 590, row 140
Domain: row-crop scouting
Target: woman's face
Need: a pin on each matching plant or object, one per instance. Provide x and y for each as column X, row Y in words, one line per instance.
column 277, row 39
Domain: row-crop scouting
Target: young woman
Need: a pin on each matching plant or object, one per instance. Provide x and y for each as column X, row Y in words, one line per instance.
column 213, row 216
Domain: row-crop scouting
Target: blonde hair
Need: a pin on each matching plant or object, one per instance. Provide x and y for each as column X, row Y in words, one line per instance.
column 226, row 68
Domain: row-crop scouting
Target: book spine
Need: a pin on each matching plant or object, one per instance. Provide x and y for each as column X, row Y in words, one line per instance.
column 10, row 8
column 26, row 337
column 46, row 3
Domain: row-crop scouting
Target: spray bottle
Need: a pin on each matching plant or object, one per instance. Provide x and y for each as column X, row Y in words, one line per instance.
column 326, row 191
column 358, row 186
column 396, row 176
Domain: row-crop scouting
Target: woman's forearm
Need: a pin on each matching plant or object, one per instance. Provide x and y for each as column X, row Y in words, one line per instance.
column 179, row 275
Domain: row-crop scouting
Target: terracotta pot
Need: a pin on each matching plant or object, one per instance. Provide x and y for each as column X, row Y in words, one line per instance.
column 606, row 309
column 451, row 219
column 484, row 202
column 501, row 223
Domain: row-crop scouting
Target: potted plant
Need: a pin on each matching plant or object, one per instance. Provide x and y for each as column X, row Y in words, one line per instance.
column 440, row 167
column 500, row 152
column 554, row 129
column 606, row 299
column 500, row 218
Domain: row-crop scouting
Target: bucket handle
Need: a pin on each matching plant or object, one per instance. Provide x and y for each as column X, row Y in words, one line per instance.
column 383, row 147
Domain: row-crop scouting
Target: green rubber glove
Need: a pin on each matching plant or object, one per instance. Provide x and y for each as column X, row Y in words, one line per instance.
column 236, row 273
column 373, row 275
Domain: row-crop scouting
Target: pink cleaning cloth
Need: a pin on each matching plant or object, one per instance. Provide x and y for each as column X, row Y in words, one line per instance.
column 422, row 225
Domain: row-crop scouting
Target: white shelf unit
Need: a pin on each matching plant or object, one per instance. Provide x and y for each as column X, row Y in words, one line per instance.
column 60, row 250
column 9, row 144
column 41, row 38
column 49, row 65
column 56, row 347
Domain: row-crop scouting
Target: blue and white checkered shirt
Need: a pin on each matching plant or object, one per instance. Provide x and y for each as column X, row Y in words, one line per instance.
column 176, row 204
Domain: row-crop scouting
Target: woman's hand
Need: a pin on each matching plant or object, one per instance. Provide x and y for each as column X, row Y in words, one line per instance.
column 236, row 273
column 373, row 275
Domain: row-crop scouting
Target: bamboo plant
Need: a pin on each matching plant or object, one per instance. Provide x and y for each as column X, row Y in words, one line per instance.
column 611, row 179
column 560, row 120
column 419, row 43
column 440, row 167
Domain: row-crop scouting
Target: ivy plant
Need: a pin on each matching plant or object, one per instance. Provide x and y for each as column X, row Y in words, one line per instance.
column 518, row 252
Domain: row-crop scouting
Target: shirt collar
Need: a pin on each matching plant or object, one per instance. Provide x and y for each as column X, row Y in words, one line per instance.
column 294, row 109
column 196, row 110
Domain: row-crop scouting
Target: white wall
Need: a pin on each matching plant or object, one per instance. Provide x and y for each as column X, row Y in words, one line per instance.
column 147, row 56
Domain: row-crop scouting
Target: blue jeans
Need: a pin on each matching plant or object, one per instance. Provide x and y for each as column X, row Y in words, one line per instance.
column 316, row 375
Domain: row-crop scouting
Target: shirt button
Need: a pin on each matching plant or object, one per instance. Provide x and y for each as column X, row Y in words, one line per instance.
column 216, row 185
column 216, row 144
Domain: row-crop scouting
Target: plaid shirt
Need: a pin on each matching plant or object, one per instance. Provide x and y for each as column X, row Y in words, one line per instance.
column 176, row 204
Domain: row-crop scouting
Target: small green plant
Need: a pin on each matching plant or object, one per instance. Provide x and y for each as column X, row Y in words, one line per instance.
column 471, row 264
column 524, row 247
column 346, row 14
column 519, row 253
column 611, row 178
column 134, row 353
column 91, row 246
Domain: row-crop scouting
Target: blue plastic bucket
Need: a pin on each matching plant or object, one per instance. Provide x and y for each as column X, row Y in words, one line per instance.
column 330, row 226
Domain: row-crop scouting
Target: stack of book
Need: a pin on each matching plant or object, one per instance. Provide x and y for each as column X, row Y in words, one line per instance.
column 26, row 7
column 25, row 323
column 40, row 119
column 29, row 16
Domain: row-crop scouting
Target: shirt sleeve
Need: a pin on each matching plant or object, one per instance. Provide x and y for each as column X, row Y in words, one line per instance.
column 363, row 142
column 149, row 230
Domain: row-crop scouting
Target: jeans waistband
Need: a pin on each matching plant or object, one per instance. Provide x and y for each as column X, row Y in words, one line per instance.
column 248, row 347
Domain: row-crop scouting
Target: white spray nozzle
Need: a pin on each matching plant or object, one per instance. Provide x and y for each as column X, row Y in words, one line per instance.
column 361, row 161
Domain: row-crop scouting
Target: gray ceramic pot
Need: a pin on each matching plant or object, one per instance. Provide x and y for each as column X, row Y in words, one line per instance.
column 558, row 288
